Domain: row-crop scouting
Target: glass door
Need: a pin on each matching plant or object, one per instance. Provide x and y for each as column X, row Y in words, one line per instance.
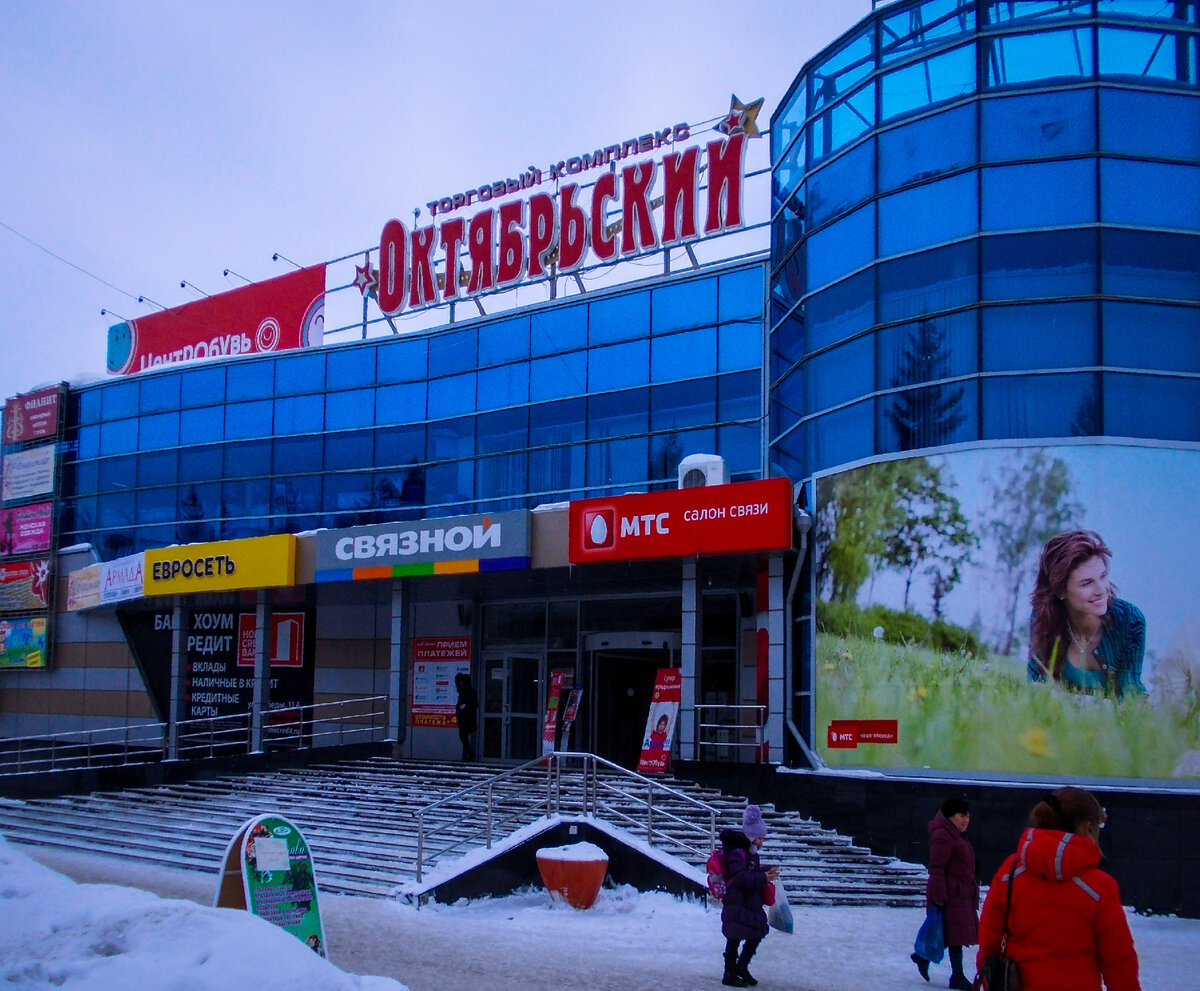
column 512, row 717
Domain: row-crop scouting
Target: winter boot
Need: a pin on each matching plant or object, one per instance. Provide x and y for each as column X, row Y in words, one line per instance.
column 959, row 982
column 742, row 968
column 922, row 964
column 731, row 977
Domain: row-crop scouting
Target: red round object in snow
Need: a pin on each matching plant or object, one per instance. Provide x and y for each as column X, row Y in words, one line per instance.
column 572, row 877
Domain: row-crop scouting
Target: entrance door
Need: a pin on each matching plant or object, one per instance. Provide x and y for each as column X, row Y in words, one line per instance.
column 623, row 669
column 512, row 706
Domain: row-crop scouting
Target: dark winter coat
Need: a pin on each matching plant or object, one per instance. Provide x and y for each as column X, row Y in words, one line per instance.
column 466, row 708
column 952, row 881
column 1066, row 927
column 742, row 915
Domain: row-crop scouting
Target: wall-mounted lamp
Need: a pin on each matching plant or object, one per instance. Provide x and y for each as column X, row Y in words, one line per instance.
column 147, row 299
column 275, row 257
column 112, row 313
column 184, row 282
column 228, row 272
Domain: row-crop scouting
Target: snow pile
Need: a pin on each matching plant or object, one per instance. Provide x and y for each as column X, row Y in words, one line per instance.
column 99, row 937
column 573, row 851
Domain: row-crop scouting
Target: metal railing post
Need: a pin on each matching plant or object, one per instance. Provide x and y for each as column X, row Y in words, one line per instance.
column 489, row 815
column 420, row 844
column 650, row 814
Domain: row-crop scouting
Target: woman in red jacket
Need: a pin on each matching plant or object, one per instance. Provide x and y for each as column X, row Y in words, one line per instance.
column 1066, row 927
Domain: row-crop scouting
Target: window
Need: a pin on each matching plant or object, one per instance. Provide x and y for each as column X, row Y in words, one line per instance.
column 842, row 123
column 619, row 366
column 738, row 397
column 683, row 306
column 1159, row 125
column 619, row 414
column 842, row 184
column 843, row 246
column 612, row 465
column 404, row 360
column 1162, row 56
column 916, row 285
column 841, row 436
column 1045, row 194
column 505, row 341
column 557, row 376
column 690, row 354
column 1140, row 335
column 1041, row 406
column 741, row 295
column 684, row 404
column 506, row 385
column 453, row 351
column 552, row 331
column 452, row 396
column 929, row 214
column 400, row 445
column 739, row 346
column 924, row 26
column 349, row 450
column 928, row 417
column 248, row 459
column 158, row 430
column 1030, row 266
column 202, row 386
column 619, row 318
column 841, row 310
column 119, row 436
column 350, row 368
column 157, row 468
column 1163, row 266
column 299, row 456
column 841, row 374
column 1044, row 335
column 247, row 419
column 928, row 147
column 160, row 393
column 1164, row 195
column 928, row 350
column 249, row 379
column 296, row 374
column 299, row 414
column 1026, row 58
column 199, row 463
column 1038, row 126
column 1152, row 406
column 840, row 71
column 403, row 403
column 505, row 431
column 923, row 84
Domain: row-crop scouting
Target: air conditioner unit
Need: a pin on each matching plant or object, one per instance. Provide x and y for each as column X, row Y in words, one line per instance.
column 702, row 469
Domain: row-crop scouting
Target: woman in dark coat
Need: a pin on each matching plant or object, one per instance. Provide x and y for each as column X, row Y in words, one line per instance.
column 742, row 915
column 466, row 712
column 952, row 887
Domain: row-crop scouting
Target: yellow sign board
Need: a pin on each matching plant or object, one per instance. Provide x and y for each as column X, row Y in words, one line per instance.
column 224, row 566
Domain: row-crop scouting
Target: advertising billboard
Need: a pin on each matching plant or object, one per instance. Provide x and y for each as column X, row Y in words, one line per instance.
column 24, row 585
column 26, row 529
column 1025, row 611
column 28, row 473
column 31, row 416
column 279, row 314
column 223, row 566
column 23, row 642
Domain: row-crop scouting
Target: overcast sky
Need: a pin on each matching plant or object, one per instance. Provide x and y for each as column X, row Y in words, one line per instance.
column 149, row 143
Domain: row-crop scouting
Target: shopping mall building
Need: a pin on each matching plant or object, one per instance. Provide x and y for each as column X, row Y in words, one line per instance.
column 954, row 311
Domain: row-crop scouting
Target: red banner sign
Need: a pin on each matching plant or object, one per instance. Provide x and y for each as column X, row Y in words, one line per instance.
column 280, row 314
column 436, row 662
column 26, row 529
column 716, row 519
column 847, row 734
column 560, row 679
column 31, row 416
column 660, row 723
column 24, row 585
column 286, row 646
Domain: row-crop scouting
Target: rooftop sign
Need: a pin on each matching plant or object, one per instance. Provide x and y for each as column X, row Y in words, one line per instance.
column 631, row 208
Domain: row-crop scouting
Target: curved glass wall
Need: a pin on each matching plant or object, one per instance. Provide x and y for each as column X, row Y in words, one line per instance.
column 580, row 398
column 986, row 225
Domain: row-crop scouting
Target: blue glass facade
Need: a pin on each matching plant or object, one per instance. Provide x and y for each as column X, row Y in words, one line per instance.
column 583, row 397
column 986, row 225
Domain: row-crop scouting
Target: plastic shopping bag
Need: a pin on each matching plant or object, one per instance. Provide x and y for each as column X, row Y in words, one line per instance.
column 931, row 938
column 779, row 915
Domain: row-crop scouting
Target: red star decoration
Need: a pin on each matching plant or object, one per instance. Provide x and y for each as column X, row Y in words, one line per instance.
column 366, row 278
column 742, row 119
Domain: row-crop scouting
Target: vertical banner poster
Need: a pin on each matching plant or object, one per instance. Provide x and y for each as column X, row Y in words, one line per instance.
column 268, row 870
column 23, row 642
column 560, row 679
column 569, row 714
column 31, row 416
column 660, row 724
column 435, row 662
column 26, row 529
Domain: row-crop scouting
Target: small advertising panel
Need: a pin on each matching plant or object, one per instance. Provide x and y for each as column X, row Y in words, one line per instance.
column 454, row 545
column 83, row 588
column 24, row 585
column 660, row 723
column 280, row 314
column 741, row 517
column 560, row 681
column 435, row 663
column 122, row 579
column 224, row 566
column 23, row 642
column 26, row 529
column 268, row 870
column 32, row 416
column 1028, row 611
column 569, row 714
column 28, row 473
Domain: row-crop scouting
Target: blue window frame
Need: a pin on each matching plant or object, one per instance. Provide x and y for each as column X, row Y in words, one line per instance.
column 352, row 449
column 119, row 400
column 504, row 431
column 299, row 414
column 617, row 463
column 928, row 350
column 558, row 376
column 298, row 455
column 739, row 346
column 1142, row 335
column 927, row 147
column 740, row 295
column 842, row 123
column 841, row 185
column 199, row 463
column 1041, row 125
column 619, row 366
column 1158, row 125
column 350, row 368
column 689, row 354
column 918, row 28
column 844, row 435
column 1155, row 266
column 400, row 445
column 557, row 330
column 296, row 374
column 1167, row 195
column 843, row 246
column 1161, row 56
column 404, row 403
column 506, row 385
column 683, row 404
column 558, row 423
column 934, row 80
column 1012, row 59
column 453, row 351
column 158, row 430
column 929, row 214
column 739, row 397
column 841, row 70
column 840, row 311
column 619, row 318
column 916, row 285
column 119, row 436
column 249, row 379
column 1042, row 335
column 1152, row 406
column 115, row 474
column 449, row 486
column 1041, row 406
column 251, row 419
column 619, row 414
column 452, row 396
column 404, row 360
column 160, row 393
column 505, row 341
column 202, row 386
column 928, row 417
column 154, row 468
column 1043, row 194
column 1025, row 266
column 683, row 306
column 841, row 374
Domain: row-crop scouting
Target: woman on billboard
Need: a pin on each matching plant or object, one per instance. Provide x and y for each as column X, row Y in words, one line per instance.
column 1081, row 635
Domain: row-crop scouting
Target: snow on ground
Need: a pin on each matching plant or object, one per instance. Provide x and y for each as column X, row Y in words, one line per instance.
column 95, row 937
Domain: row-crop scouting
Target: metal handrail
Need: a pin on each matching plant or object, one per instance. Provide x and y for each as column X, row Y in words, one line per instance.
column 758, row 712
column 523, row 802
column 146, row 743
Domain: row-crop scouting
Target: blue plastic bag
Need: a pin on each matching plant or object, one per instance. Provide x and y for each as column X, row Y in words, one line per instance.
column 931, row 938
column 779, row 915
